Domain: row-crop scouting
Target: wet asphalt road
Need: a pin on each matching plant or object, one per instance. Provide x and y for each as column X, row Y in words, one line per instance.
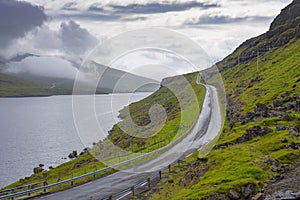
column 207, row 128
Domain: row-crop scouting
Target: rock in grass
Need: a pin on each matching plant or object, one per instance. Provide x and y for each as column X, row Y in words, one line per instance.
column 170, row 181
column 258, row 196
column 73, row 155
column 273, row 168
column 284, row 140
column 277, row 103
column 280, row 128
column 270, row 161
column 217, row 196
column 293, row 133
column 296, row 97
column 234, row 195
column 285, row 94
column 248, row 190
column 79, row 163
column 292, row 145
column 37, row 170
column 286, row 117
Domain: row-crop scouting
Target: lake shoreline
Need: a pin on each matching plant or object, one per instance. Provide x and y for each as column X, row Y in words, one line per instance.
column 50, row 135
column 50, row 95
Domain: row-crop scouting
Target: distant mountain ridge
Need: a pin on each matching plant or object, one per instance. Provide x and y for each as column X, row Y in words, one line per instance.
column 112, row 81
column 11, row 86
column 115, row 80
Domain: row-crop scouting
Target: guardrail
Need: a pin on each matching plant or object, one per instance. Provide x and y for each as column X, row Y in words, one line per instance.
column 132, row 190
column 71, row 180
column 19, row 188
column 46, row 186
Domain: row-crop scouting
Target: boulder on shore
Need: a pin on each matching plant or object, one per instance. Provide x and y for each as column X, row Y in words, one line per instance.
column 73, row 155
column 37, row 170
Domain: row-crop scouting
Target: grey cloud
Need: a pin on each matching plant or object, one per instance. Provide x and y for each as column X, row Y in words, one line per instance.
column 69, row 6
column 114, row 12
column 17, row 18
column 223, row 19
column 117, row 12
column 128, row 19
column 76, row 39
column 69, row 40
column 92, row 16
column 153, row 7
column 159, row 7
column 95, row 7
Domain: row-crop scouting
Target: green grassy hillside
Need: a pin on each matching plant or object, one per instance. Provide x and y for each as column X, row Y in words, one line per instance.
column 179, row 119
column 11, row 86
column 260, row 141
column 173, row 127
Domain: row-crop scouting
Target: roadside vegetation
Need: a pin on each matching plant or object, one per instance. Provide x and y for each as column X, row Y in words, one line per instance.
column 182, row 110
column 260, row 140
column 174, row 127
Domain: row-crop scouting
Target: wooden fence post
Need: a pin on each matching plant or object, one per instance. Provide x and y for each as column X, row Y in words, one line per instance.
column 72, row 182
column 149, row 182
column 29, row 187
column 45, row 183
column 12, row 191
column 160, row 175
column 133, row 192
column 95, row 173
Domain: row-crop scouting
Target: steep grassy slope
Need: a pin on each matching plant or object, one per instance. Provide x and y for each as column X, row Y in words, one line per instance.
column 260, row 141
column 179, row 119
column 261, row 136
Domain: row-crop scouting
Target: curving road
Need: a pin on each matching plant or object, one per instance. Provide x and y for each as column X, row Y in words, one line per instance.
column 206, row 129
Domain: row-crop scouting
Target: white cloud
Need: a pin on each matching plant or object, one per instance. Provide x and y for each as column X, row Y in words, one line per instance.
column 69, row 40
column 228, row 24
column 43, row 66
column 153, row 63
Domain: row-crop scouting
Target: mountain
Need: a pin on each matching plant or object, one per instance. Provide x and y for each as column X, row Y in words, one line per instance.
column 112, row 80
column 20, row 57
column 283, row 29
column 11, row 86
column 120, row 81
column 257, row 155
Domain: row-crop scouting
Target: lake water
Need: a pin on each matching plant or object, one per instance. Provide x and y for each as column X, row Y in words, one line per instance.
column 41, row 130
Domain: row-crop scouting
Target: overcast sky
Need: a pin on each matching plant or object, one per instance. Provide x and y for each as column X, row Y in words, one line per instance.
column 69, row 29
